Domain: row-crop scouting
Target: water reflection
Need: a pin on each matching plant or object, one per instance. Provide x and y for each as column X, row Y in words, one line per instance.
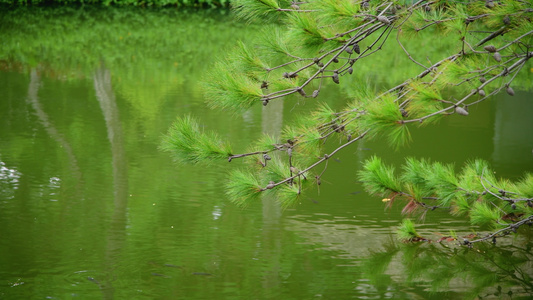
column 446, row 270
column 127, row 223
column 350, row 237
column 33, row 98
column 513, row 134
column 271, row 242
column 9, row 179
column 117, row 231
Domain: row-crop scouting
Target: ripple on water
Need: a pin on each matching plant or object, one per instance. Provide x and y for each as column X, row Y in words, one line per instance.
column 89, row 279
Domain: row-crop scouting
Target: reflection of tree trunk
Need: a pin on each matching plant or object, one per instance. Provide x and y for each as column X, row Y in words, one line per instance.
column 272, row 120
column 513, row 138
column 116, row 235
column 271, row 123
column 33, row 98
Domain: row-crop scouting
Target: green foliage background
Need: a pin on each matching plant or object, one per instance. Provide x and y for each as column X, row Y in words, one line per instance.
column 157, row 3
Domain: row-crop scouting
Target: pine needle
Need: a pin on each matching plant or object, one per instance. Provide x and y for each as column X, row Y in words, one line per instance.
column 188, row 144
column 256, row 10
column 243, row 187
column 377, row 178
column 484, row 215
column 407, row 232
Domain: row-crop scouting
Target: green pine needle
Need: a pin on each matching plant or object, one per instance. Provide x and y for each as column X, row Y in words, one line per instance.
column 277, row 171
column 334, row 11
column 460, row 206
column 284, row 83
column 256, row 10
column 525, row 186
column 423, row 101
column 443, row 182
column 484, row 215
column 305, row 28
column 407, row 232
column 426, row 92
column 264, row 143
column 324, row 113
column 288, row 195
column 311, row 143
column 243, row 187
column 230, row 88
column 384, row 117
column 274, row 42
column 416, row 171
column 377, row 178
column 188, row 144
column 248, row 60
column 470, row 177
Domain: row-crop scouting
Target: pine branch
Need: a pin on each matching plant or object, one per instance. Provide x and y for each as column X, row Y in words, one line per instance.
column 328, row 40
column 422, row 175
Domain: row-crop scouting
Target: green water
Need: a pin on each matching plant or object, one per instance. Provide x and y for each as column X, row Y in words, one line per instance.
column 90, row 209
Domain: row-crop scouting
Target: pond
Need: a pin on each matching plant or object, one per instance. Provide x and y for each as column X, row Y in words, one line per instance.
column 91, row 209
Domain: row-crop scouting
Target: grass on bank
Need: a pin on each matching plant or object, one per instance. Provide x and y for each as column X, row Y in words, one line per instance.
column 143, row 3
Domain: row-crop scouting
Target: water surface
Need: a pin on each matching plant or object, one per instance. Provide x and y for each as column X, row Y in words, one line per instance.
column 90, row 209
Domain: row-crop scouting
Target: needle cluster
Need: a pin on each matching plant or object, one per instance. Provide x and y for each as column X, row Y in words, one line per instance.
column 444, row 57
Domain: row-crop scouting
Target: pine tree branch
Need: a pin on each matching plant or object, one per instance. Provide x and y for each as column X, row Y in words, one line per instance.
column 493, row 35
column 405, row 50
column 512, row 228
column 337, row 50
column 519, row 63
column 325, row 158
